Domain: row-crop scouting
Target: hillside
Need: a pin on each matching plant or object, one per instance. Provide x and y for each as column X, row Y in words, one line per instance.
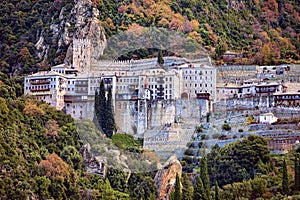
column 37, row 34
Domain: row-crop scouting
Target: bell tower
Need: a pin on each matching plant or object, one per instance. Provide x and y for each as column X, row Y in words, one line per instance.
column 82, row 55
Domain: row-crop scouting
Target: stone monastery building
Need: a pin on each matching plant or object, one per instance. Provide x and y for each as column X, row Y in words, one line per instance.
column 136, row 85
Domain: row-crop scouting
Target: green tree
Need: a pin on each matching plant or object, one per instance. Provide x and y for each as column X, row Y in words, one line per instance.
column 160, row 58
column 204, row 176
column 187, row 188
column 72, row 157
column 285, row 179
column 96, row 108
column 101, row 115
column 146, row 189
column 110, row 120
column 220, row 49
column 199, row 191
column 217, row 191
column 43, row 184
column 177, row 191
column 297, row 170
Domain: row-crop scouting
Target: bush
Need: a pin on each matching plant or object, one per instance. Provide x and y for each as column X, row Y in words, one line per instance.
column 241, row 130
column 223, row 137
column 204, row 137
column 226, row 127
column 189, row 152
column 199, row 129
column 216, row 135
column 190, row 145
column 125, row 141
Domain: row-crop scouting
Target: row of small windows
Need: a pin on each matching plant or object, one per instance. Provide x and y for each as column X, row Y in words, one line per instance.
column 199, row 85
column 196, row 78
column 197, row 72
column 128, row 80
column 158, row 79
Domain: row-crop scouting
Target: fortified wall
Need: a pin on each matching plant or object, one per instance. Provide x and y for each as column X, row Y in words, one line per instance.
column 137, row 116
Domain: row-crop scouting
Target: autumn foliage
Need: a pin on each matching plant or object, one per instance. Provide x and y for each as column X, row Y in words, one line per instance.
column 55, row 168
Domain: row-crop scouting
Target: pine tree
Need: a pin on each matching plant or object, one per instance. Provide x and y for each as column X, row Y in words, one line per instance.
column 216, row 191
column 96, row 109
column 187, row 188
column 199, row 192
column 285, row 180
column 297, row 171
column 160, row 59
column 110, row 120
column 102, row 108
column 204, row 176
column 177, row 192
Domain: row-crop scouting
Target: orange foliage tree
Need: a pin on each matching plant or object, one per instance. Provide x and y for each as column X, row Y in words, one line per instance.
column 33, row 110
column 51, row 128
column 55, row 168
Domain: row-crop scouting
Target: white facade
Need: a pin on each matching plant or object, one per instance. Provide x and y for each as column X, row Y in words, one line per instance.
column 47, row 86
column 199, row 78
column 267, row 118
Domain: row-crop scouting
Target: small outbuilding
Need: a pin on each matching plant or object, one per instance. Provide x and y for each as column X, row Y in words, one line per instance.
column 267, row 118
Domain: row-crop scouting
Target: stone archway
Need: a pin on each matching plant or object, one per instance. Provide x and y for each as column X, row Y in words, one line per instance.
column 184, row 95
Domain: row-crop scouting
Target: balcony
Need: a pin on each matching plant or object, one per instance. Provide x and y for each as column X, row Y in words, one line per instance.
column 81, row 84
column 160, row 81
column 68, row 99
column 40, row 82
column 40, row 90
column 81, row 91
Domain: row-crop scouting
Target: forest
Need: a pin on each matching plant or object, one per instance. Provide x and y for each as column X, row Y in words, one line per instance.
column 265, row 32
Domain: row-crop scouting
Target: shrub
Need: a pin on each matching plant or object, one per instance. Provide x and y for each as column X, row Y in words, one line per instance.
column 216, row 135
column 226, row 127
column 189, row 152
column 199, row 129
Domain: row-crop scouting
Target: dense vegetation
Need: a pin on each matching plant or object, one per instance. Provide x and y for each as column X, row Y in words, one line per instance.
column 39, row 154
column 266, row 31
column 104, row 115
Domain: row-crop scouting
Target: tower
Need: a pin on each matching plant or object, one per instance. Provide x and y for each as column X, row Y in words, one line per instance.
column 82, row 55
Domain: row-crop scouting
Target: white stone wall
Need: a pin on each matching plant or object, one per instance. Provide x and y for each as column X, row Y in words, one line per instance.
column 199, row 79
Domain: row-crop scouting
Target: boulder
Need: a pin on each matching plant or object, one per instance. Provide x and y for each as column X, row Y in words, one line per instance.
column 165, row 177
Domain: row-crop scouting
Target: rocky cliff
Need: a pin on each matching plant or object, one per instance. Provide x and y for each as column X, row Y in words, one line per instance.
column 166, row 176
column 81, row 22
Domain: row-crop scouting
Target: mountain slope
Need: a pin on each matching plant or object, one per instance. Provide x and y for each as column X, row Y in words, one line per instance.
column 36, row 34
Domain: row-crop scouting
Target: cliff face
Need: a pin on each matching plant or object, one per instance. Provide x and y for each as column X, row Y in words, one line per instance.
column 165, row 177
column 81, row 22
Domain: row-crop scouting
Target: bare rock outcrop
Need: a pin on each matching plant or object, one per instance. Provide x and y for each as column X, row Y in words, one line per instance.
column 81, row 22
column 165, row 177
column 94, row 164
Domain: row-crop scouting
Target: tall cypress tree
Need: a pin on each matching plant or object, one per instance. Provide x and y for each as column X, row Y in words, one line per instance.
column 199, row 192
column 217, row 191
column 187, row 188
column 96, row 109
column 285, row 180
column 297, row 171
column 102, row 108
column 160, row 58
column 177, row 192
column 110, row 120
column 204, row 176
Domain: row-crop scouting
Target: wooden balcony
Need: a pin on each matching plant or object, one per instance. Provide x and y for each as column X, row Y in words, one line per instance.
column 40, row 90
column 40, row 82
